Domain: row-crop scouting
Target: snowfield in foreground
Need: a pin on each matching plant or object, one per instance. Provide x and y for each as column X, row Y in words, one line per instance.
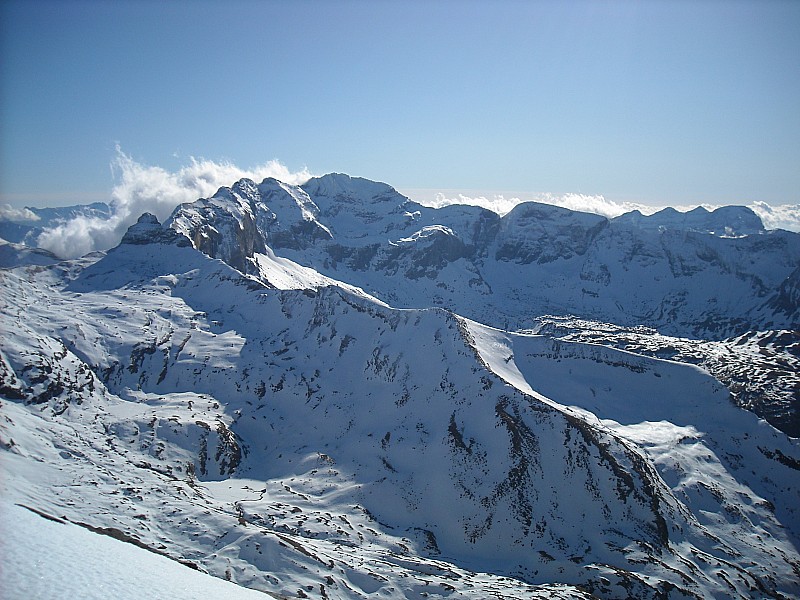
column 40, row 561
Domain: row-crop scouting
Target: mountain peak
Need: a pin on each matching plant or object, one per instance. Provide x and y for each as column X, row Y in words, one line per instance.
column 148, row 230
column 335, row 185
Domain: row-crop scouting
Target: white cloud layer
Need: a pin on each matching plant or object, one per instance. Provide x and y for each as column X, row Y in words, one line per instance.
column 580, row 202
column 17, row 215
column 143, row 188
column 784, row 216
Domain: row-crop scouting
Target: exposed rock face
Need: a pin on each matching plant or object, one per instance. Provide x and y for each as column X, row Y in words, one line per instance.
column 787, row 299
column 241, row 221
column 147, row 230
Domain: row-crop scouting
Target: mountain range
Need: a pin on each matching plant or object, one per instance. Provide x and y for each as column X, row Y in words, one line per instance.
column 27, row 231
column 331, row 391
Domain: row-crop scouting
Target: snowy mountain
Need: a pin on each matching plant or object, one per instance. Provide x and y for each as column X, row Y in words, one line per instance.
column 760, row 369
column 27, row 230
column 14, row 255
column 698, row 275
column 263, row 389
column 704, row 274
column 728, row 221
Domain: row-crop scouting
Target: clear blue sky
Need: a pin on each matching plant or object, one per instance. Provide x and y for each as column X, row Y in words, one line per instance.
column 656, row 102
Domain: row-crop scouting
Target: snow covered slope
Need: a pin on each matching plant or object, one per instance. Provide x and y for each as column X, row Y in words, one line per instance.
column 108, row 567
column 761, row 369
column 14, row 255
column 301, row 438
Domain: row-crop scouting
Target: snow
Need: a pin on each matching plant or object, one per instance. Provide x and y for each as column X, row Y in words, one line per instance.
column 13, row 255
column 677, row 414
column 425, row 232
column 39, row 560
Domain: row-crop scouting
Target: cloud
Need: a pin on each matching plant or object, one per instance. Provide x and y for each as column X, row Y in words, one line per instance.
column 497, row 203
column 81, row 235
column 17, row 215
column 785, row 216
column 580, row 202
column 143, row 188
column 598, row 205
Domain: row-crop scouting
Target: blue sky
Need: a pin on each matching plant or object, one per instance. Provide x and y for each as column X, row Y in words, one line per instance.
column 650, row 102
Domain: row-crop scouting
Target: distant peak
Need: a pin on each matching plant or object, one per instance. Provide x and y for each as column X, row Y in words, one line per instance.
column 543, row 210
column 148, row 219
column 340, row 184
column 148, row 230
column 698, row 210
column 245, row 186
column 270, row 183
column 722, row 221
